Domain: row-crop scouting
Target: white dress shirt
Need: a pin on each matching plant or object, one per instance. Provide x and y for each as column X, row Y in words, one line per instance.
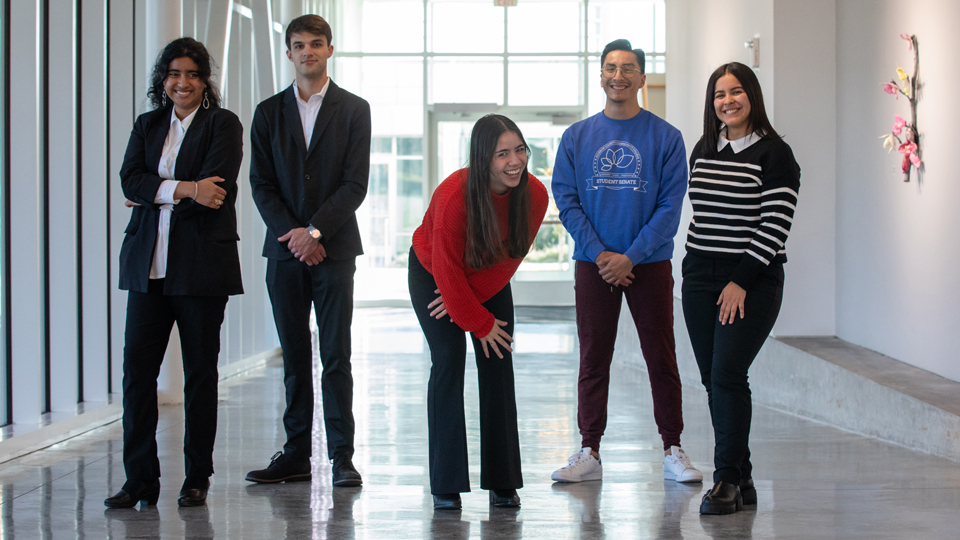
column 737, row 145
column 164, row 196
column 309, row 109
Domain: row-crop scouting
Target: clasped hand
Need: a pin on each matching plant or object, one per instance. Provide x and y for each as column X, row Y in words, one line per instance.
column 303, row 246
column 615, row 268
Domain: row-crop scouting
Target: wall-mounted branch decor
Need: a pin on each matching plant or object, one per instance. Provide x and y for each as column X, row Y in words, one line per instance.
column 909, row 145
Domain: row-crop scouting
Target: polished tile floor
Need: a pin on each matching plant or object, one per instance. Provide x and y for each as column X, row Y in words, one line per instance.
column 814, row 481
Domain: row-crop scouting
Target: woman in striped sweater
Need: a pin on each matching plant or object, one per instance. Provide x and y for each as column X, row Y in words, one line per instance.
column 743, row 187
column 480, row 224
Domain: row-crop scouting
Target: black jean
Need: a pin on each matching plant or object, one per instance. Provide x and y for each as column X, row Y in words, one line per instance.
column 499, row 435
column 150, row 317
column 293, row 287
column 725, row 352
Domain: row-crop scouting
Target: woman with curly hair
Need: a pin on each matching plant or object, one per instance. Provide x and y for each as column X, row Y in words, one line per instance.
column 179, row 262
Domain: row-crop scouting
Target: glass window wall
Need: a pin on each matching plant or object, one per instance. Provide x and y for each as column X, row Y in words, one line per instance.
column 417, row 62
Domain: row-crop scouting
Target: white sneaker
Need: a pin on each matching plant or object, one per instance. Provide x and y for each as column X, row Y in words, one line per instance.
column 580, row 467
column 677, row 466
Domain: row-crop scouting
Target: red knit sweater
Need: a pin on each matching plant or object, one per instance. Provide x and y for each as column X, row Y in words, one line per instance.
column 439, row 243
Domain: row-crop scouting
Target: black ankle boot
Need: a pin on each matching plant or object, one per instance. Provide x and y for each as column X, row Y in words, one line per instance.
column 446, row 501
column 130, row 494
column 723, row 498
column 504, row 498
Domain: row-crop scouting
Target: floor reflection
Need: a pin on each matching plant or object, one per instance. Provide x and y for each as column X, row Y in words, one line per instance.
column 58, row 492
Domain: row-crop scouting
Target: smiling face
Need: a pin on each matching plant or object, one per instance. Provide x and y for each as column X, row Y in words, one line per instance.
column 309, row 54
column 621, row 88
column 184, row 86
column 732, row 106
column 508, row 163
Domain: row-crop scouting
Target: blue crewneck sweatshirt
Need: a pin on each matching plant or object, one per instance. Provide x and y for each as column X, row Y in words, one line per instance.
column 619, row 185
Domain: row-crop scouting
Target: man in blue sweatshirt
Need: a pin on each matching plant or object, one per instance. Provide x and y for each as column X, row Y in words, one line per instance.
column 619, row 181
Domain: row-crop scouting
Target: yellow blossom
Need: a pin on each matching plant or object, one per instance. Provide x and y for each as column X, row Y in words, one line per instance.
column 888, row 141
column 902, row 74
column 906, row 90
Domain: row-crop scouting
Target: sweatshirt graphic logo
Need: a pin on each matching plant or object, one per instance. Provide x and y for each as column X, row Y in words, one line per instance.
column 617, row 166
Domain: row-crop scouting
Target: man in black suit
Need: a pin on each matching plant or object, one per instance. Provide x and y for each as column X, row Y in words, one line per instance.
column 309, row 170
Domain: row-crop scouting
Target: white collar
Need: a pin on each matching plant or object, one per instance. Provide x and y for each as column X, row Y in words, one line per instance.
column 737, row 145
column 185, row 123
column 322, row 93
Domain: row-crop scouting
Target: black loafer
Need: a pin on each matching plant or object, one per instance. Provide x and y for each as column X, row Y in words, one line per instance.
column 282, row 468
column 723, row 498
column 748, row 493
column 193, row 492
column 446, row 501
column 504, row 498
column 344, row 473
column 129, row 495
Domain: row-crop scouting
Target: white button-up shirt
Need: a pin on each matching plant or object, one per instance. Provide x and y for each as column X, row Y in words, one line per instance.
column 309, row 109
column 164, row 196
column 737, row 145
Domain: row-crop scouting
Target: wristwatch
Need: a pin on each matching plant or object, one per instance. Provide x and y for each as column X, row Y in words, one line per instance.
column 314, row 232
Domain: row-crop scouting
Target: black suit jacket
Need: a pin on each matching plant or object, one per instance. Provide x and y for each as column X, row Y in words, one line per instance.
column 323, row 185
column 202, row 258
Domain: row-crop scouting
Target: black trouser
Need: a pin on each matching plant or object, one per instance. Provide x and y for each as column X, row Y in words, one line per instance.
column 724, row 352
column 150, row 318
column 499, row 436
column 293, row 287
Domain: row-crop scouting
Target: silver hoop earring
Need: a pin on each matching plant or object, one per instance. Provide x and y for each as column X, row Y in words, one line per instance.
column 164, row 101
column 206, row 100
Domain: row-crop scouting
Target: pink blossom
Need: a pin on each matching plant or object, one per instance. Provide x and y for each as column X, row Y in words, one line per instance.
column 898, row 123
column 907, row 148
column 915, row 159
column 909, row 41
column 891, row 88
column 905, row 166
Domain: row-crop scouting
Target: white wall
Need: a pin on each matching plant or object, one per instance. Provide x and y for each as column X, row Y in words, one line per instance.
column 897, row 250
column 797, row 74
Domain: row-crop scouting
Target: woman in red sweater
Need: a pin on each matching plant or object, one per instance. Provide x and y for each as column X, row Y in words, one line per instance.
column 480, row 224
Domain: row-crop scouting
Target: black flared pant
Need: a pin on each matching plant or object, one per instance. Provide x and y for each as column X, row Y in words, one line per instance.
column 499, row 435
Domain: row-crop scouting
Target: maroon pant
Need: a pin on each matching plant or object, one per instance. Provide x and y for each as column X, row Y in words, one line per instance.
column 650, row 299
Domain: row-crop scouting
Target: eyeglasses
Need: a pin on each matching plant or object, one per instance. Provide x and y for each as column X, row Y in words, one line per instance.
column 611, row 70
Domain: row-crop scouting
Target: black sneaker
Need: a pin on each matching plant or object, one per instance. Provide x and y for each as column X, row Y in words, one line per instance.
column 282, row 469
column 344, row 473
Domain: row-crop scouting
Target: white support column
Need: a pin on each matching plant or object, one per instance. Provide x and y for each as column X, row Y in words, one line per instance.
column 219, row 24
column 93, row 191
column 26, row 255
column 263, row 38
column 289, row 10
column 62, row 236
column 125, row 95
column 164, row 25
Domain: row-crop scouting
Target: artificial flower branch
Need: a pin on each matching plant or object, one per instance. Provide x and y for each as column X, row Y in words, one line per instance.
column 909, row 146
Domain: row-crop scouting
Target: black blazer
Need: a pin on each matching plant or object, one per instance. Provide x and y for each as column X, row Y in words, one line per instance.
column 323, row 185
column 202, row 258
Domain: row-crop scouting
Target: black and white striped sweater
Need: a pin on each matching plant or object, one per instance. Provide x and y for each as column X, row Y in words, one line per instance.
column 743, row 205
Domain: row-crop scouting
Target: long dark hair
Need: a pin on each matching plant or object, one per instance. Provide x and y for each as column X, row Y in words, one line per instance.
column 759, row 122
column 179, row 48
column 484, row 245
